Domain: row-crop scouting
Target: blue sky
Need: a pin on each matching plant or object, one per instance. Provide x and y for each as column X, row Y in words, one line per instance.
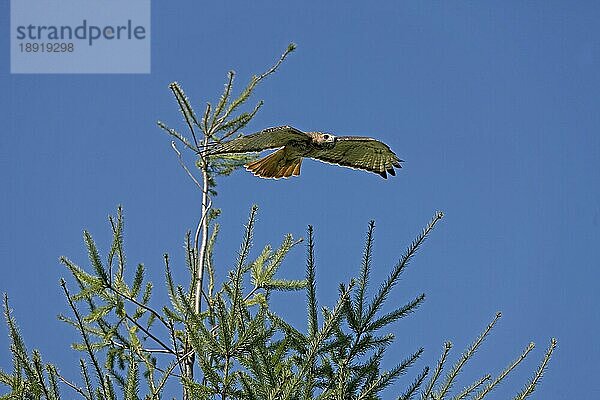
column 493, row 105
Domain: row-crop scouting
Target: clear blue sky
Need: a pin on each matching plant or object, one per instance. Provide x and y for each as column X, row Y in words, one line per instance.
column 494, row 107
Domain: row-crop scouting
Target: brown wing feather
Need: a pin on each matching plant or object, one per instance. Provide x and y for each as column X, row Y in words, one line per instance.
column 269, row 138
column 360, row 152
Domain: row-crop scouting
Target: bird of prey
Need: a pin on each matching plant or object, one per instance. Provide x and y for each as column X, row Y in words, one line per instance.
column 349, row 151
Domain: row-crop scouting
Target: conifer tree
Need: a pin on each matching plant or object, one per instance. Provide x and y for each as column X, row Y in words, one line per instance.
column 223, row 340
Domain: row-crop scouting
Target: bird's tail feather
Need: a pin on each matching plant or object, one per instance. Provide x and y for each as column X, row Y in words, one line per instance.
column 276, row 166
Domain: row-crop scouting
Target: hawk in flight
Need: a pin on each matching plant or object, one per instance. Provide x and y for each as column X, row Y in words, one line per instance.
column 349, row 151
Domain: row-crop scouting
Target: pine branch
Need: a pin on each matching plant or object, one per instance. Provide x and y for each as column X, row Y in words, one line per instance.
column 163, row 381
column 176, row 135
column 86, row 379
column 150, row 335
column 414, row 387
column 247, row 92
column 84, row 335
column 392, row 279
column 239, row 122
column 224, row 97
column 466, row 356
column 467, row 391
column 16, row 342
column 311, row 293
column 504, row 373
column 396, row 314
column 74, row 387
column 53, row 380
column 133, row 380
column 117, row 244
column 141, row 305
column 529, row 389
column 331, row 322
column 186, row 110
column 436, row 373
column 365, row 270
column 236, row 280
column 95, row 258
column 388, row 377
column 39, row 371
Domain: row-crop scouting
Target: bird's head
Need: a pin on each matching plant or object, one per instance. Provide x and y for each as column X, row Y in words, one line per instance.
column 324, row 139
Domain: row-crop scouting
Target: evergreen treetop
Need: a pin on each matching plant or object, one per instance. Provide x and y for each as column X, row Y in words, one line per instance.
column 223, row 340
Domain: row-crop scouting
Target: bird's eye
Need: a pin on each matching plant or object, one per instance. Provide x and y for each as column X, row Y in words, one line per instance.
column 326, row 137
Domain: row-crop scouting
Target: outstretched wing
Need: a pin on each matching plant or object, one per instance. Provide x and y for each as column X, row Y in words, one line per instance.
column 360, row 152
column 269, row 138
